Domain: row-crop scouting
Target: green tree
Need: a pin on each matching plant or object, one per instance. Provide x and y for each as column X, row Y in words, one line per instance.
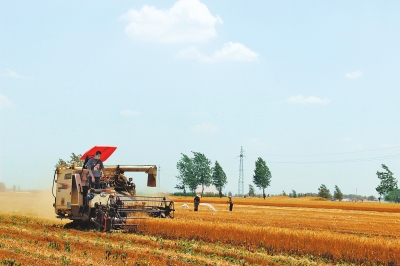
column 284, row 193
column 202, row 170
column 337, row 194
column 262, row 175
column 73, row 159
column 181, row 187
column 186, row 175
column 252, row 192
column 60, row 162
column 76, row 159
column 323, row 192
column 294, row 194
column 371, row 198
column 194, row 172
column 393, row 195
column 219, row 179
column 388, row 182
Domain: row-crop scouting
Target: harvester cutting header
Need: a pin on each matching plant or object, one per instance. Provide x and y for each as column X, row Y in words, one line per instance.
column 109, row 202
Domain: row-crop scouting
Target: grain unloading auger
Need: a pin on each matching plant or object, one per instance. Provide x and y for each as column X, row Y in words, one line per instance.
column 114, row 206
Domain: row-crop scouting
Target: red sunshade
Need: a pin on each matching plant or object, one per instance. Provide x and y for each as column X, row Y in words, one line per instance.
column 106, row 152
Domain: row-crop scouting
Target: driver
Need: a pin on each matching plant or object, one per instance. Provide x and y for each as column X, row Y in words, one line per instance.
column 95, row 165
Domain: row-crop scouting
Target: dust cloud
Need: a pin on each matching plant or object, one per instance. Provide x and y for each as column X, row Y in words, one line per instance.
column 34, row 203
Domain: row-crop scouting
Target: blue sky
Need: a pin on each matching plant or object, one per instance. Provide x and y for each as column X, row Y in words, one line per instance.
column 312, row 87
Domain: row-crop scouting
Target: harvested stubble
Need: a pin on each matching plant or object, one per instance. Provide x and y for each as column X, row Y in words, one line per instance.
column 33, row 241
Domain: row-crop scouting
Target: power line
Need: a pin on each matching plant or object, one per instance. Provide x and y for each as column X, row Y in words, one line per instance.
column 311, row 155
column 344, row 161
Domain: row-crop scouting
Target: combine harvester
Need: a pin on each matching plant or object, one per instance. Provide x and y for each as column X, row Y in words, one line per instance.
column 111, row 207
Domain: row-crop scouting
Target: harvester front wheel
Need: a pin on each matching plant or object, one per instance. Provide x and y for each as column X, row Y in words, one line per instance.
column 99, row 221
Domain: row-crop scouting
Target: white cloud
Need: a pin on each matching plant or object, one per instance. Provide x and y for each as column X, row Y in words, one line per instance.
column 235, row 52
column 185, row 21
column 204, row 128
column 300, row 99
column 354, row 75
column 12, row 74
column 4, row 102
column 231, row 52
column 129, row 113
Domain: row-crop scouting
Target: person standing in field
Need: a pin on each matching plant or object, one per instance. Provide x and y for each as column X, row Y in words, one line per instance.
column 230, row 201
column 196, row 202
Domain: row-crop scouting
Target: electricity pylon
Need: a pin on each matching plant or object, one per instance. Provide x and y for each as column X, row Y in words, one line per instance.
column 241, row 176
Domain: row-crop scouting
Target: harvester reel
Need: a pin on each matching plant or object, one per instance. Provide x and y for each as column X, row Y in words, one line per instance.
column 166, row 211
column 170, row 210
column 119, row 182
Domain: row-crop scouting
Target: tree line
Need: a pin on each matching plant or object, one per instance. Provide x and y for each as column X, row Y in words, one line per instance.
column 387, row 188
column 197, row 171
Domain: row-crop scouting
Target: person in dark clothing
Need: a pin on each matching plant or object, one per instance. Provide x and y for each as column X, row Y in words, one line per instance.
column 95, row 165
column 230, row 201
column 196, row 202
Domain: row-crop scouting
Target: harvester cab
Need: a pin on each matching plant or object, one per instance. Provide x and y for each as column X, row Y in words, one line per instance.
column 114, row 205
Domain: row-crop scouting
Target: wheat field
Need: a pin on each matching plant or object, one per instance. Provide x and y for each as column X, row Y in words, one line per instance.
column 274, row 231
